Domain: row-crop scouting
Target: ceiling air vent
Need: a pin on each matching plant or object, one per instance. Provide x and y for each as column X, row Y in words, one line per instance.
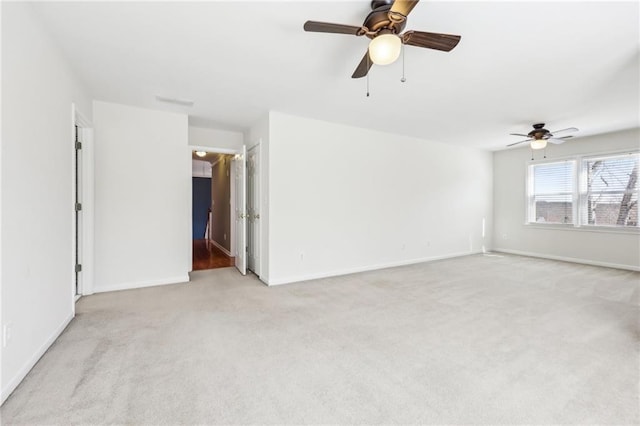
column 175, row 101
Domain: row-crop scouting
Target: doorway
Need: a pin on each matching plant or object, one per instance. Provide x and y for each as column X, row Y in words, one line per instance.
column 82, row 207
column 212, row 233
column 239, row 173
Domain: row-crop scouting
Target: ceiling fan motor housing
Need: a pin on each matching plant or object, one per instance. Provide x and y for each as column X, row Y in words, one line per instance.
column 539, row 132
column 378, row 20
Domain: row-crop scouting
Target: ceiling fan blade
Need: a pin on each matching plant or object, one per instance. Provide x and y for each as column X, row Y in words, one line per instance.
column 363, row 67
column 402, row 8
column 558, row 141
column 569, row 129
column 516, row 143
column 326, row 27
column 444, row 42
column 519, row 134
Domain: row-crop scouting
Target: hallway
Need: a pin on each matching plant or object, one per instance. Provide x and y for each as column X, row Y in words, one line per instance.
column 207, row 256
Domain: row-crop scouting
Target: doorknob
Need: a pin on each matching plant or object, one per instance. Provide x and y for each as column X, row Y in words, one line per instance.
column 257, row 216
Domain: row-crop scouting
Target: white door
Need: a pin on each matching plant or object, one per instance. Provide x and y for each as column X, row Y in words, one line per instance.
column 241, row 214
column 253, row 209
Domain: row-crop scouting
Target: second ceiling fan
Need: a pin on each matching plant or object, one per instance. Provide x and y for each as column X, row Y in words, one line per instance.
column 539, row 136
column 383, row 26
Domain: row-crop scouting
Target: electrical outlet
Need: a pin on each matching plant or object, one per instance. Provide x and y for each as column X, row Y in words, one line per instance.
column 301, row 257
column 225, row 237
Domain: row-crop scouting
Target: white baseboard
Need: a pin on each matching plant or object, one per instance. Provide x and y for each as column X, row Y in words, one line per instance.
column 142, row 284
column 308, row 277
column 568, row 259
column 22, row 373
column 224, row 250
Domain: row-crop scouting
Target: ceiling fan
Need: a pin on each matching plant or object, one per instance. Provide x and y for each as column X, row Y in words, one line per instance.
column 539, row 136
column 383, row 26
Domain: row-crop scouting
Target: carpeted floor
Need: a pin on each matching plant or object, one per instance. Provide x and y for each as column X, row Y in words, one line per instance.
column 478, row 339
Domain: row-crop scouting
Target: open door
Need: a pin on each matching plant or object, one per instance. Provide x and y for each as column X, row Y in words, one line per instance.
column 253, row 210
column 241, row 213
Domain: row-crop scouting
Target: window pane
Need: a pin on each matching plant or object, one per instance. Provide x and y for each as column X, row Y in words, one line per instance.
column 553, row 178
column 552, row 192
column 554, row 211
column 611, row 197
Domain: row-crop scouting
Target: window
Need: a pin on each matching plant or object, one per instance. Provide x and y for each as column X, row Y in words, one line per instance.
column 610, row 190
column 607, row 196
column 551, row 192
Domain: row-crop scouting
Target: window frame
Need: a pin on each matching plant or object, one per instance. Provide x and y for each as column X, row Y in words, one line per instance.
column 531, row 198
column 578, row 197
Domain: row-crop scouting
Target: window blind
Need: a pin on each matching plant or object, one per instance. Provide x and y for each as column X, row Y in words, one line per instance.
column 609, row 195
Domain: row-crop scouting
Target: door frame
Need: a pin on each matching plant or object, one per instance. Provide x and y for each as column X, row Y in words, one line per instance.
column 86, row 242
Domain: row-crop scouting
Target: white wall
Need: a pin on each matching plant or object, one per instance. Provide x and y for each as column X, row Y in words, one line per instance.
column 346, row 199
column 142, row 208
column 215, row 138
column 37, row 259
column 512, row 235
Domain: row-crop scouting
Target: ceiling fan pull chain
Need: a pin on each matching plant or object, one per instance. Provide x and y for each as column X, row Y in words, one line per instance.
column 402, row 80
column 368, row 67
column 531, row 154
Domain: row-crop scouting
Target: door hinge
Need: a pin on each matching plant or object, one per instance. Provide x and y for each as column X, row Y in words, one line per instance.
column 78, row 146
column 78, row 207
column 78, row 268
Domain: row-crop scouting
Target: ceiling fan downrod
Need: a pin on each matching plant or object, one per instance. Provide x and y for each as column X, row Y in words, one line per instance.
column 379, row 3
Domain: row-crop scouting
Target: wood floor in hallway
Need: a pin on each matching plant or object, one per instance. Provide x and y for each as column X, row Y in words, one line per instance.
column 207, row 256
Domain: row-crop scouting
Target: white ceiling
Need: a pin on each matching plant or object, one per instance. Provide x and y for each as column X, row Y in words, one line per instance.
column 571, row 63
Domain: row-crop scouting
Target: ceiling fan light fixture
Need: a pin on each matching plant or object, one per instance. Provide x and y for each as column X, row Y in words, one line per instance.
column 385, row 49
column 538, row 144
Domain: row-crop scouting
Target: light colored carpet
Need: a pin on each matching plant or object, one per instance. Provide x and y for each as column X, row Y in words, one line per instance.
column 477, row 339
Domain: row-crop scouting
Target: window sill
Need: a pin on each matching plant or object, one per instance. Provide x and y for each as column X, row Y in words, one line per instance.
column 587, row 228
